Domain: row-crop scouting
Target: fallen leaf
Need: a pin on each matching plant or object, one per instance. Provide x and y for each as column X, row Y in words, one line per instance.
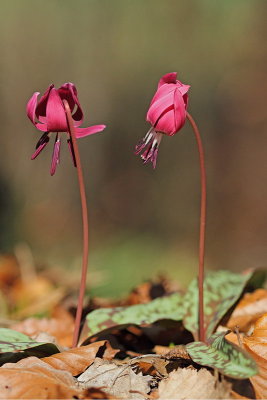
column 228, row 358
column 188, row 383
column 248, row 310
column 119, row 381
column 35, row 296
column 256, row 345
column 9, row 271
column 32, row 378
column 78, row 359
column 60, row 328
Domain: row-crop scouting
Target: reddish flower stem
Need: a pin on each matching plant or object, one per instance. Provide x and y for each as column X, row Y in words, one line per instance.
column 203, row 206
column 85, row 225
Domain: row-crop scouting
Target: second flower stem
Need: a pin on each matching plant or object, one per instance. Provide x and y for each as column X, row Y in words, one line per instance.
column 85, row 224
column 203, row 207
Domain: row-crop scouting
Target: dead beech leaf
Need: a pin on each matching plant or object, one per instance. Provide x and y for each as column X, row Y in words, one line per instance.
column 256, row 345
column 119, row 381
column 61, row 329
column 78, row 359
column 248, row 310
column 188, row 383
column 32, row 378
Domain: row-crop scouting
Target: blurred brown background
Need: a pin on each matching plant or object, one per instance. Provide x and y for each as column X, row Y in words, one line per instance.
column 141, row 221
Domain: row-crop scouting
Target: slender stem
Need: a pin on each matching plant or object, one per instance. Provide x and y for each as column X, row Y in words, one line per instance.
column 203, row 206
column 85, row 225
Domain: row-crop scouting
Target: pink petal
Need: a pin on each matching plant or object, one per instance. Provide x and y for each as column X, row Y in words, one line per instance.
column 168, row 78
column 173, row 119
column 164, row 90
column 41, row 108
column 31, row 112
column 68, row 92
column 55, row 113
column 183, row 89
column 82, row 132
column 159, row 107
column 179, row 110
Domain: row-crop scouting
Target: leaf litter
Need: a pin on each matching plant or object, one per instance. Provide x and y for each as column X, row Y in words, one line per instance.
column 143, row 349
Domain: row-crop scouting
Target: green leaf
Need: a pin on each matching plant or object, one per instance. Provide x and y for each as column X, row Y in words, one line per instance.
column 169, row 307
column 221, row 291
column 228, row 358
column 12, row 341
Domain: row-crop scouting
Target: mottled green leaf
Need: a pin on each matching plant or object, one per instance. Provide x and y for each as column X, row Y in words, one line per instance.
column 221, row 291
column 228, row 358
column 12, row 341
column 169, row 307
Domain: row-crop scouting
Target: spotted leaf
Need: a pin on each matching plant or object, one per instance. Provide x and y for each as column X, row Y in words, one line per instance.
column 221, row 291
column 12, row 341
column 228, row 358
column 169, row 307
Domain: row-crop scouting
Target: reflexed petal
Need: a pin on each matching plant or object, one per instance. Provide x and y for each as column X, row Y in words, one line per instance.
column 68, row 92
column 41, row 108
column 82, row 132
column 168, row 78
column 55, row 156
column 31, row 112
column 55, row 113
column 31, row 107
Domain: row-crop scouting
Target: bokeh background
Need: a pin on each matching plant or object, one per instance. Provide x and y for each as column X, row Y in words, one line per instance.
column 142, row 222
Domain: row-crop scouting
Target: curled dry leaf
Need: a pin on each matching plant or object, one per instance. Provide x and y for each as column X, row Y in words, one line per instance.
column 78, row 359
column 188, row 383
column 248, row 310
column 34, row 296
column 32, row 378
column 61, row 328
column 256, row 345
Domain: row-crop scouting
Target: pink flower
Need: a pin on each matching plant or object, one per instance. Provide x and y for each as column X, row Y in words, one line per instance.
column 166, row 114
column 48, row 115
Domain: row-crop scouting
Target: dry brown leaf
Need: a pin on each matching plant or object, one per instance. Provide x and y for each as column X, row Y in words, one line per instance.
column 187, row 383
column 9, row 271
column 256, row 345
column 34, row 296
column 119, row 381
column 248, row 310
column 32, row 378
column 78, row 359
column 60, row 328
column 150, row 364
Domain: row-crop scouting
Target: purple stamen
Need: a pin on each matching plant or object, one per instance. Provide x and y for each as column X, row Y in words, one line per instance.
column 42, row 142
column 151, row 142
column 55, row 156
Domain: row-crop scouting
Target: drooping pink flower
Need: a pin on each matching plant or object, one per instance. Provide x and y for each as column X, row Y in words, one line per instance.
column 166, row 114
column 48, row 115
